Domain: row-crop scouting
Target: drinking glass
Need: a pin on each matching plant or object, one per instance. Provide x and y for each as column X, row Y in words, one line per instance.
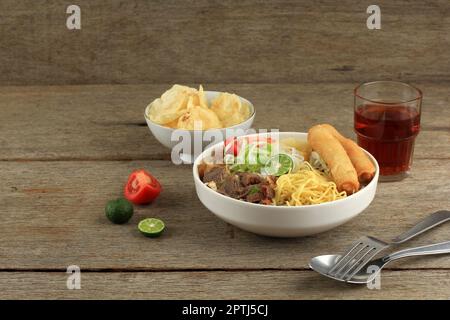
column 387, row 122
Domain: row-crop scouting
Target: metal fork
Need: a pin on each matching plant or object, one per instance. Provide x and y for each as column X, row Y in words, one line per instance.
column 365, row 248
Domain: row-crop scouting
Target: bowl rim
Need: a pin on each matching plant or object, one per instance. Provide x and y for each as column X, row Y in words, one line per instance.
column 351, row 197
column 252, row 116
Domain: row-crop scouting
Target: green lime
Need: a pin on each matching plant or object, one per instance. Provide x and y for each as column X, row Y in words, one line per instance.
column 278, row 165
column 151, row 227
column 119, row 211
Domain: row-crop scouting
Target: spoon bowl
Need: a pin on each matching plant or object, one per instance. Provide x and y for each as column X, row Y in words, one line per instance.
column 323, row 264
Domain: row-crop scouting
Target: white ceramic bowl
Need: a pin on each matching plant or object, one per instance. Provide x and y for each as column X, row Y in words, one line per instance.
column 164, row 134
column 284, row 221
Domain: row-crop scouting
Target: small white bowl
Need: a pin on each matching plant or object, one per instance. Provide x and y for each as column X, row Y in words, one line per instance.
column 164, row 134
column 284, row 221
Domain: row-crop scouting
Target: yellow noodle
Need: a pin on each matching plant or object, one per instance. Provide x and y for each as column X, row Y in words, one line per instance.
column 305, row 187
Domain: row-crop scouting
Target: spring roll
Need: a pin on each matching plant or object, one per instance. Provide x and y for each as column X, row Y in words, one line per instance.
column 364, row 167
column 337, row 160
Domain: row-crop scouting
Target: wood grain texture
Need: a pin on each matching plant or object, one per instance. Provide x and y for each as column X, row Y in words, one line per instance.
column 66, row 150
column 107, row 122
column 251, row 41
column 53, row 216
column 416, row 284
column 52, row 211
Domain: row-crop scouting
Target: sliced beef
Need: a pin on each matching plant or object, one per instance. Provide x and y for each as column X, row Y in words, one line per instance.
column 202, row 167
column 247, row 186
column 267, row 191
column 255, row 197
column 248, row 178
column 214, row 173
column 231, row 186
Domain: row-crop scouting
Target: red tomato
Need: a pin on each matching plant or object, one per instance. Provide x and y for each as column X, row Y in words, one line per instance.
column 141, row 187
column 259, row 139
column 232, row 145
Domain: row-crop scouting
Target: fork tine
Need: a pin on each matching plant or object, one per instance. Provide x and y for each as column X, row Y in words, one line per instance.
column 365, row 248
column 363, row 263
column 344, row 256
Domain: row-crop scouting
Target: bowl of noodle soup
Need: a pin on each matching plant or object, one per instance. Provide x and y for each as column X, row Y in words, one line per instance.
column 303, row 203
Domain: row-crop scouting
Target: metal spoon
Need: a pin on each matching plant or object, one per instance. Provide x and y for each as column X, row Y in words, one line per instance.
column 322, row 264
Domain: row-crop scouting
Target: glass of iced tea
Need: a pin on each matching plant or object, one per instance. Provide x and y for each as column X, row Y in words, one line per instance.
column 387, row 121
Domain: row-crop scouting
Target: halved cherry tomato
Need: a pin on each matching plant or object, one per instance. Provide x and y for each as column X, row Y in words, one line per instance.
column 259, row 139
column 233, row 144
column 142, row 187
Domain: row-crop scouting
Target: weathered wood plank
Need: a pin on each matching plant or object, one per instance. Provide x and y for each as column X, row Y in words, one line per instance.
column 415, row 284
column 52, row 216
column 106, row 122
column 251, row 41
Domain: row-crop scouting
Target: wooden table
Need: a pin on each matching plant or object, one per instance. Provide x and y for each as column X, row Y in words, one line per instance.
column 72, row 129
column 66, row 150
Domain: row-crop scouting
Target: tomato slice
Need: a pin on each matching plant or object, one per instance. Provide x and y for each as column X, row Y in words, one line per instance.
column 259, row 139
column 142, row 187
column 232, row 146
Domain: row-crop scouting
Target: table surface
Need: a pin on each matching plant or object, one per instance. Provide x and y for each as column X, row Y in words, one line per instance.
column 67, row 150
